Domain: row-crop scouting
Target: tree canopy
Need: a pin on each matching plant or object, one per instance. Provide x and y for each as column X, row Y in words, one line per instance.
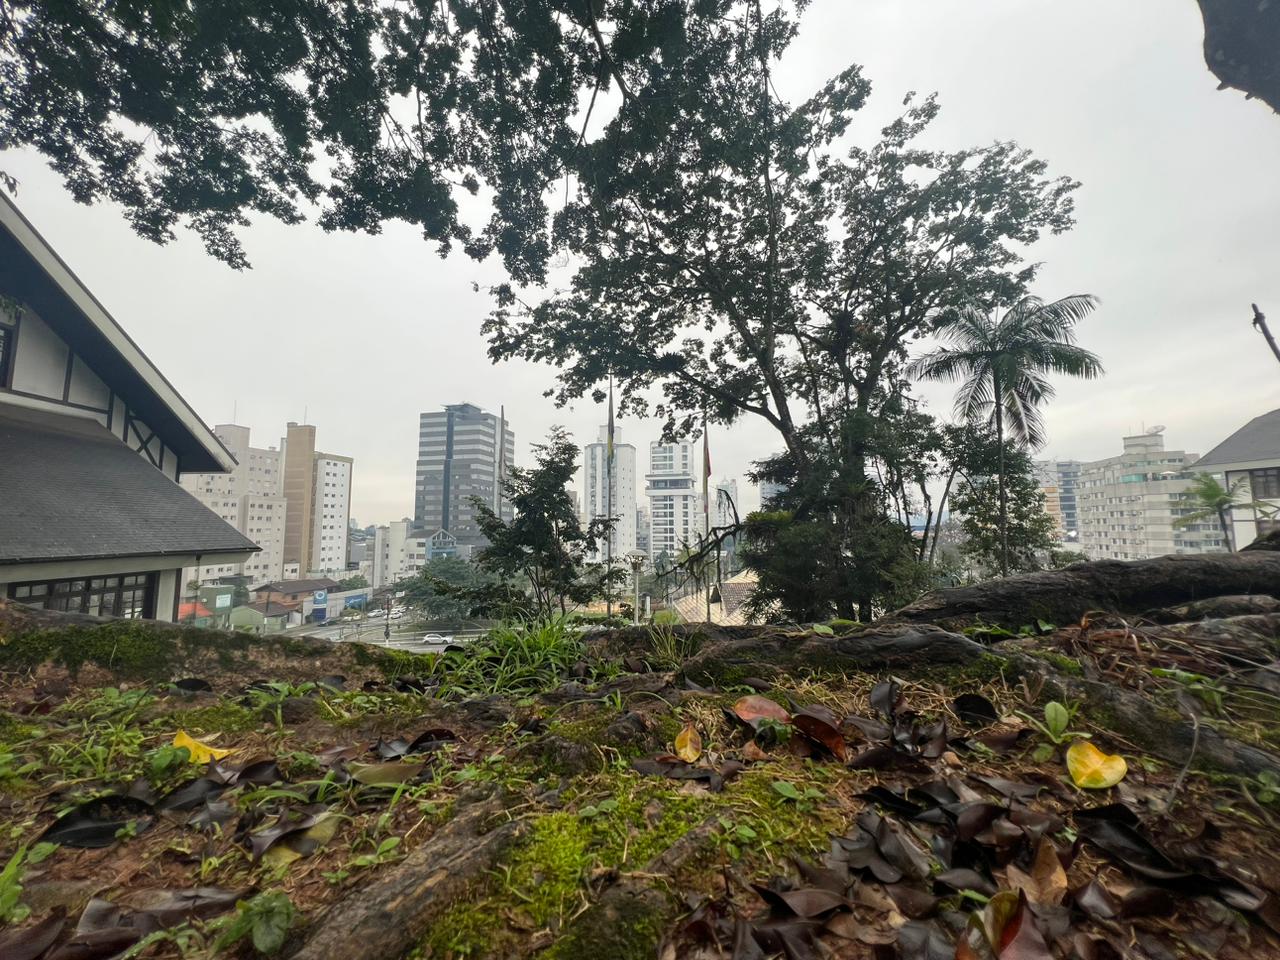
column 736, row 255
column 205, row 112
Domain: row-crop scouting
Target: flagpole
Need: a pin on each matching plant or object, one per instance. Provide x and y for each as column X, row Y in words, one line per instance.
column 608, row 498
column 706, row 506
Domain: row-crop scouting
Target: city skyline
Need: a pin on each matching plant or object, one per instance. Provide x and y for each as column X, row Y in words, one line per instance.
column 363, row 314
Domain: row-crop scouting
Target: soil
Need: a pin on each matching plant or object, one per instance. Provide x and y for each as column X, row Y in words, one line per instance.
column 563, row 824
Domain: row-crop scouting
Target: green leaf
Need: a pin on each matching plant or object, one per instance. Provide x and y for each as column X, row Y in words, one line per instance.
column 823, row 630
column 1042, row 753
column 1056, row 719
column 787, row 790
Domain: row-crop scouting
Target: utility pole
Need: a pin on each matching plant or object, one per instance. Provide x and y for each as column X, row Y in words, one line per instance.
column 386, row 630
column 1260, row 321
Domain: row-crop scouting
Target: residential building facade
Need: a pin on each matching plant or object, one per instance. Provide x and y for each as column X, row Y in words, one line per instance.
column 399, row 551
column 249, row 498
column 643, row 541
column 317, row 491
column 676, row 519
column 1128, row 504
column 1252, row 455
column 463, row 452
column 1057, row 480
column 610, row 492
column 93, row 439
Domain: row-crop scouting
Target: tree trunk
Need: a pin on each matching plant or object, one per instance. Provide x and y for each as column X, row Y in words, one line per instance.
column 1226, row 530
column 1124, row 586
column 387, row 916
column 1004, row 500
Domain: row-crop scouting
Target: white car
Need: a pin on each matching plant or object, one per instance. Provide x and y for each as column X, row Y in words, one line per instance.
column 436, row 638
column 397, row 614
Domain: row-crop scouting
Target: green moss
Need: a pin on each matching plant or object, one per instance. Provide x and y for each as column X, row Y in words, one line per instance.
column 125, row 647
column 1061, row 663
column 394, row 663
column 223, row 717
column 985, row 668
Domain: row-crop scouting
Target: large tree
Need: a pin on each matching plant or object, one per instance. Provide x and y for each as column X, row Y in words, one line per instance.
column 736, row 254
column 1003, row 364
column 206, row 112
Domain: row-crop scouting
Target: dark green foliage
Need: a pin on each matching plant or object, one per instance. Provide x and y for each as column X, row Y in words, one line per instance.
column 351, row 583
column 1030, row 529
column 544, row 545
column 445, row 587
column 206, row 112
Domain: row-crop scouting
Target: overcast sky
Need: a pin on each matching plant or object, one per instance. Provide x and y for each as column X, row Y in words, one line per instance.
column 1177, row 233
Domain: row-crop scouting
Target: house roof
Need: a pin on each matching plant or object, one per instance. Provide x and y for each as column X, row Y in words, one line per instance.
column 728, row 601
column 69, row 490
column 270, row 609
column 32, row 272
column 1259, row 439
column 193, row 609
column 297, row 586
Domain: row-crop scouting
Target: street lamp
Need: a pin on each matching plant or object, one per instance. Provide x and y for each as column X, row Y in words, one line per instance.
column 637, row 559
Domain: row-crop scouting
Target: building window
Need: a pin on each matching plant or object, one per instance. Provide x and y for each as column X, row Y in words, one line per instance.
column 130, row 595
column 7, row 342
column 1265, row 484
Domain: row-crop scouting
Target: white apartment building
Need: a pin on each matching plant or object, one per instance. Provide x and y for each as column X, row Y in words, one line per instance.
column 1127, row 504
column 249, row 497
column 599, row 501
column 398, row 553
column 1251, row 454
column 726, row 503
column 331, row 515
column 675, row 500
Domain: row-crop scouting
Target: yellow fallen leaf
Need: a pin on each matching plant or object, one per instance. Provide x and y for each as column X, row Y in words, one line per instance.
column 688, row 744
column 1092, row 769
column 200, row 751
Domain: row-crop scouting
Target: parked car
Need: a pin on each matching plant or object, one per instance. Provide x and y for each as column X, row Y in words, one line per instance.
column 397, row 614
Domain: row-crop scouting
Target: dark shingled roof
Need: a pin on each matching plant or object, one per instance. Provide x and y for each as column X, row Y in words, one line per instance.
column 1259, row 439
column 69, row 490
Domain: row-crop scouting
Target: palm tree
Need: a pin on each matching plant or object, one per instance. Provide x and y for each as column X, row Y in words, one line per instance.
column 1003, row 364
column 1215, row 500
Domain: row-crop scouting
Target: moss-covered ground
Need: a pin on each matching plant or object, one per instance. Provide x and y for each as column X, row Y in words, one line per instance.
column 92, row 711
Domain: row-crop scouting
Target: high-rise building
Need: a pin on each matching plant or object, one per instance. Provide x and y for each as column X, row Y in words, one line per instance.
column 1128, row 505
column 611, row 492
column 463, row 452
column 770, row 490
column 317, row 489
column 248, row 498
column 675, row 499
column 1057, row 480
column 642, row 532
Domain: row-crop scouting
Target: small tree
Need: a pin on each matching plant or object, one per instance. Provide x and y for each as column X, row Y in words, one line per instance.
column 545, row 544
column 351, row 583
column 1214, row 500
column 1015, row 539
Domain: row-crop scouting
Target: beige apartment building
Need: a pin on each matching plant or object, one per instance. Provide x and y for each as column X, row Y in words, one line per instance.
column 317, row 488
column 1128, row 504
